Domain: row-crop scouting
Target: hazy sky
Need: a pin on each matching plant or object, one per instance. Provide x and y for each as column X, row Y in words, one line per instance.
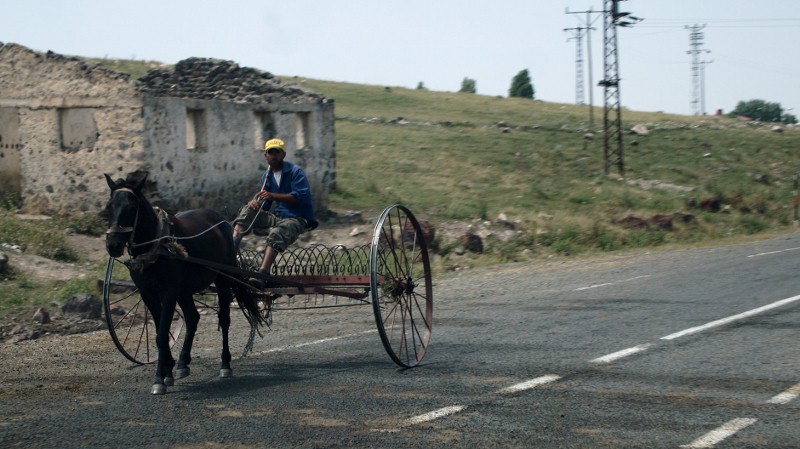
column 753, row 44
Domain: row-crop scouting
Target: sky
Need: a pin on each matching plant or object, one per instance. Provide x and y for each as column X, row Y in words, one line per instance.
column 751, row 47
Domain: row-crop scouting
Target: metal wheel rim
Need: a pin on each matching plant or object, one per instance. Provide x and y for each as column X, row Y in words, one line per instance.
column 400, row 286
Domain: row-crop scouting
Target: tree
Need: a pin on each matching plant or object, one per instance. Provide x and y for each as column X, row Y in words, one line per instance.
column 468, row 86
column 763, row 111
column 521, row 86
column 421, row 86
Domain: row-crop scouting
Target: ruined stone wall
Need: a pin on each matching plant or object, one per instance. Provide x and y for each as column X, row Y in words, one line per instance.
column 196, row 129
column 56, row 100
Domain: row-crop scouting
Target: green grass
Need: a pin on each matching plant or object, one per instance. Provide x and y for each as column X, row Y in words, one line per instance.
column 456, row 156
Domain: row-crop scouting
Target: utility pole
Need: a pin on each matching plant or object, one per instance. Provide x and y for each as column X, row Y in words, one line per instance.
column 698, row 68
column 588, row 27
column 578, row 37
column 612, row 110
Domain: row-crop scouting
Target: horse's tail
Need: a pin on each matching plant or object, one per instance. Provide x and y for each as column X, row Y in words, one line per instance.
column 247, row 301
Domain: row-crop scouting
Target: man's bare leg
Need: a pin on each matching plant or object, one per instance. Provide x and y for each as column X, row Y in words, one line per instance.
column 270, row 254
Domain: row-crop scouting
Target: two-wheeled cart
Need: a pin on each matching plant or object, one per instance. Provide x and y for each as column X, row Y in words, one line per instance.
column 392, row 273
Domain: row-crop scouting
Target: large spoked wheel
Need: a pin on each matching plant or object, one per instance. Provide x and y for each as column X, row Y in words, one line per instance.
column 129, row 322
column 400, row 285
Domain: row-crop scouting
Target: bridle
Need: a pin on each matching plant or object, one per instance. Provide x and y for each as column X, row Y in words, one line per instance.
column 116, row 228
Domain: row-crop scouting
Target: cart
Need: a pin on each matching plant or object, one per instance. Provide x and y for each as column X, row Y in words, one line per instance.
column 392, row 273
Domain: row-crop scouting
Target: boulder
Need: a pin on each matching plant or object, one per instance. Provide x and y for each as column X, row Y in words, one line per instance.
column 472, row 242
column 85, row 305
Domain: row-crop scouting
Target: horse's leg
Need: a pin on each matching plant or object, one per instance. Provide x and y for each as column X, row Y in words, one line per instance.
column 165, row 361
column 224, row 317
column 192, row 318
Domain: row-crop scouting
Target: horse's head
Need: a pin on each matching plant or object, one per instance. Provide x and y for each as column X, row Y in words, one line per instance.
column 122, row 212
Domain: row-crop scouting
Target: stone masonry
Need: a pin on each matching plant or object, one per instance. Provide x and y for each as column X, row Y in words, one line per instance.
column 195, row 128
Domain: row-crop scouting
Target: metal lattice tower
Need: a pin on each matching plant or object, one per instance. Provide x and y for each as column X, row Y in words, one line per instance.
column 588, row 27
column 612, row 111
column 578, row 38
column 698, row 68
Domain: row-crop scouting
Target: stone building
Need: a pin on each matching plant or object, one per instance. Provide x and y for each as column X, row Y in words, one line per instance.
column 195, row 128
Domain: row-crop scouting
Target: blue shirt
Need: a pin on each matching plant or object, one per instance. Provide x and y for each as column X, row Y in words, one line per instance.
column 295, row 183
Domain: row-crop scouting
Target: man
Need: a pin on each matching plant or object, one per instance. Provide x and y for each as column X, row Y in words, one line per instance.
column 284, row 184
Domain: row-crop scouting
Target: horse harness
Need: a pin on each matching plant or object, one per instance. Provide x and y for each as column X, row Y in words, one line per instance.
column 165, row 242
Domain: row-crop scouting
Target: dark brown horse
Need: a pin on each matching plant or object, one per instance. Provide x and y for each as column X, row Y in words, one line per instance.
column 164, row 279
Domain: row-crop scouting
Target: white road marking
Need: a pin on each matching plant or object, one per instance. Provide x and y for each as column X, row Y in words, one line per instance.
column 723, row 321
column 720, row 433
column 786, row 396
column 593, row 286
column 773, row 252
column 610, row 283
column 430, row 416
column 316, row 342
column 620, row 354
column 533, row 383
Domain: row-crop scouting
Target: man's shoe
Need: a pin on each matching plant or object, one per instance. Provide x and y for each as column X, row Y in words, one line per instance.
column 257, row 283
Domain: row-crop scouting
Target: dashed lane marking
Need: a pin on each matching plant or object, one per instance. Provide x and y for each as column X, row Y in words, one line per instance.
column 621, row 354
column 315, row 342
column 786, row 396
column 610, row 283
column 527, row 385
column 425, row 417
column 773, row 252
column 720, row 433
column 723, row 321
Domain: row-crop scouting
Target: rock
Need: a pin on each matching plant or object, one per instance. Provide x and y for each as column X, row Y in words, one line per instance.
column 41, row 316
column 471, row 242
column 355, row 232
column 711, row 204
column 427, row 230
column 761, row 178
column 502, row 220
column 640, row 130
column 661, row 222
column 634, row 222
column 84, row 305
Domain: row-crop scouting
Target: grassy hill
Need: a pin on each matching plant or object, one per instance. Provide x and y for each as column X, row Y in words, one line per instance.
column 456, row 156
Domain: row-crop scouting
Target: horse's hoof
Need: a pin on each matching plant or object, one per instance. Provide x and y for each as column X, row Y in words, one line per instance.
column 169, row 381
column 225, row 372
column 159, row 389
column 180, row 373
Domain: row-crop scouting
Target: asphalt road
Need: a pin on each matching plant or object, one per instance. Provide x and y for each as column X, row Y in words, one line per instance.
column 689, row 348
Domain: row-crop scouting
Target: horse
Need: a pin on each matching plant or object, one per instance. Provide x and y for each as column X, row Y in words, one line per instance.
column 159, row 268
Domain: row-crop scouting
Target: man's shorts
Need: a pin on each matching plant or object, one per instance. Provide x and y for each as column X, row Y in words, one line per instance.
column 280, row 232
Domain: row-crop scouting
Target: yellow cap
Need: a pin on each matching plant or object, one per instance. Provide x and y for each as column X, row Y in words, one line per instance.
column 275, row 143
